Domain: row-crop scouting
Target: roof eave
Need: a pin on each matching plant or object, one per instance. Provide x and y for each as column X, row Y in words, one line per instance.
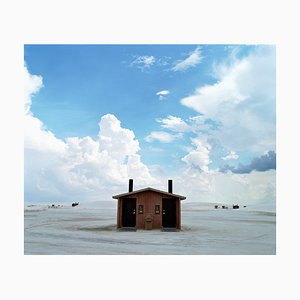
column 148, row 189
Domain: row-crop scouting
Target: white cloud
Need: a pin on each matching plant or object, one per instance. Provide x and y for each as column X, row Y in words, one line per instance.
column 119, row 142
column 36, row 136
column 198, row 158
column 230, row 155
column 192, row 60
column 225, row 94
column 162, row 94
column 242, row 101
column 148, row 60
column 143, row 62
column 262, row 163
column 139, row 171
column 213, row 186
column 84, row 167
column 253, row 188
column 78, row 168
column 162, row 136
column 87, row 168
column 175, row 124
column 32, row 84
column 196, row 186
column 197, row 124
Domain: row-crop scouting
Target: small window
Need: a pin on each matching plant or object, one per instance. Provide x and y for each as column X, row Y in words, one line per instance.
column 141, row 209
column 157, row 209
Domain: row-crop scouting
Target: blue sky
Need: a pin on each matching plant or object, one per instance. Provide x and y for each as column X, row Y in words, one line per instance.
column 194, row 110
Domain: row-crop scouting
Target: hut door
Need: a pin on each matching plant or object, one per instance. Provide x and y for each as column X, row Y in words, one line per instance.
column 168, row 213
column 129, row 212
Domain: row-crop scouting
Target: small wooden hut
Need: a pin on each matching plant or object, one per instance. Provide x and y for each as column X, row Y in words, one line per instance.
column 149, row 208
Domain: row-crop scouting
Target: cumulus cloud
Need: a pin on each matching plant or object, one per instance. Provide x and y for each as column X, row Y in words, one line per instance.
column 236, row 112
column 86, row 168
column 32, row 84
column 263, row 163
column 78, row 168
column 117, row 141
column 242, row 101
column 143, row 62
column 162, row 94
column 36, row 136
column 194, row 58
column 198, row 158
column 230, row 155
column 196, row 186
column 162, row 136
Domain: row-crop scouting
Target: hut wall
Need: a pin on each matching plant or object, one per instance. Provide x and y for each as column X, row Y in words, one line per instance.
column 149, row 200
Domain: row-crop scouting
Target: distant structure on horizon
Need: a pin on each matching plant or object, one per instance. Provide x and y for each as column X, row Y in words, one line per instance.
column 149, row 208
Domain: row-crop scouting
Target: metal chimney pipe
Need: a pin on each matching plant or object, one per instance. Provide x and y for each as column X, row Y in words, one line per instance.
column 170, row 186
column 130, row 188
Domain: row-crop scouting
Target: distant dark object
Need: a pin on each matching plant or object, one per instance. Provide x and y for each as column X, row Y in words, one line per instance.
column 53, row 206
column 224, row 206
column 235, row 206
column 216, row 206
column 245, row 206
column 75, row 204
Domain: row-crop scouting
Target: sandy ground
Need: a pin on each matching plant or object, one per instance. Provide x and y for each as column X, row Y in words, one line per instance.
column 91, row 229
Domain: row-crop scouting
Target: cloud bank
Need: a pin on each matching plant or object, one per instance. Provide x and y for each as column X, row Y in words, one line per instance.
column 242, row 101
column 81, row 168
column 237, row 111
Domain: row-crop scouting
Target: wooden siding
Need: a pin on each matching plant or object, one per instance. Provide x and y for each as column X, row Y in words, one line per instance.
column 178, row 214
column 149, row 200
column 119, row 214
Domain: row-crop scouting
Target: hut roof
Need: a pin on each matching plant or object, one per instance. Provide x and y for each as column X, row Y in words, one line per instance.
column 149, row 189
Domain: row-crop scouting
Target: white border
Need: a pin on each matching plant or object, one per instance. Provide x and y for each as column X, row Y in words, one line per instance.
column 159, row 22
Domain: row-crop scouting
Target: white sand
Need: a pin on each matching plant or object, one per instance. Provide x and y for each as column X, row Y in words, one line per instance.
column 91, row 229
